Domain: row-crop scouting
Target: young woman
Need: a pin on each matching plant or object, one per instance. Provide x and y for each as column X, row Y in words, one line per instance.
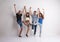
column 27, row 20
column 19, row 19
column 41, row 17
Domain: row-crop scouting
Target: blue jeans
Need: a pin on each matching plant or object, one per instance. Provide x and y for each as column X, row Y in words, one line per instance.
column 20, row 23
column 34, row 27
column 40, row 25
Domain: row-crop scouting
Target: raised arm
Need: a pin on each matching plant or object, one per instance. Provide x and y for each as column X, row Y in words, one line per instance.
column 30, row 11
column 43, row 11
column 15, row 8
column 38, row 11
column 25, row 9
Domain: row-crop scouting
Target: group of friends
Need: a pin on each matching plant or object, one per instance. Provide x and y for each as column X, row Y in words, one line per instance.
column 23, row 17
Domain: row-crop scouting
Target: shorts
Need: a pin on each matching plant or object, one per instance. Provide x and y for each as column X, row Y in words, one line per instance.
column 27, row 23
column 20, row 23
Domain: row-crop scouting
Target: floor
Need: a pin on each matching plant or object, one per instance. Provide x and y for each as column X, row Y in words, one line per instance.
column 30, row 39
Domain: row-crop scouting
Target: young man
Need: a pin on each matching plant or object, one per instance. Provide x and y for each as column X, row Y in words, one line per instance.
column 34, row 20
column 19, row 19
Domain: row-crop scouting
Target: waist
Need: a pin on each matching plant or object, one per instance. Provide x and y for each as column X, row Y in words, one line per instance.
column 27, row 18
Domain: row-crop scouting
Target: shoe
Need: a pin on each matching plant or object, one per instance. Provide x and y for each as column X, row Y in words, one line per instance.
column 20, row 36
column 26, row 35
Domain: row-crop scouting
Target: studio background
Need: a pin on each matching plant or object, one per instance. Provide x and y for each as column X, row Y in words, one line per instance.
column 51, row 23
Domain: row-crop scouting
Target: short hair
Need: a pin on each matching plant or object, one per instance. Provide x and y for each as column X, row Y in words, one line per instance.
column 34, row 11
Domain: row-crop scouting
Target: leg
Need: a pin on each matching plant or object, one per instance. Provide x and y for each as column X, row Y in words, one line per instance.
column 27, row 31
column 20, row 29
column 20, row 32
column 32, row 26
column 35, row 29
column 40, row 29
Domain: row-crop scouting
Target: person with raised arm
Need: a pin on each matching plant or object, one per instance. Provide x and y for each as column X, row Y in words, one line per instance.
column 40, row 19
column 27, row 20
column 34, row 20
column 19, row 19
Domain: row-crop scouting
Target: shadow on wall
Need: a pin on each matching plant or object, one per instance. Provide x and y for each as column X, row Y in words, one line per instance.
column 14, row 24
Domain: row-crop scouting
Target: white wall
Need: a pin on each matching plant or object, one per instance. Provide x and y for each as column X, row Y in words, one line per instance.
column 51, row 24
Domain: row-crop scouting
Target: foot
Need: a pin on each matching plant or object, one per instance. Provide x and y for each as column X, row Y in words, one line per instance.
column 26, row 35
column 20, row 36
column 34, row 34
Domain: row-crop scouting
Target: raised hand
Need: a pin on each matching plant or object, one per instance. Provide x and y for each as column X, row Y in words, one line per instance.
column 14, row 4
column 38, row 9
column 30, row 10
column 24, row 7
column 43, row 10
column 30, row 7
column 15, row 8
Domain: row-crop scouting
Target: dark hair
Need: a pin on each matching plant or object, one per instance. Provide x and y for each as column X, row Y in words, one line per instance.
column 28, row 14
column 34, row 11
column 41, row 15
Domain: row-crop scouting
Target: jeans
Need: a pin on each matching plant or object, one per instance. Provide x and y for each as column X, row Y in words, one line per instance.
column 34, row 27
column 40, row 25
column 20, row 23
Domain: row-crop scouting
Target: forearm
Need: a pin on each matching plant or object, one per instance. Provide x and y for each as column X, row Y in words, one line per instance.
column 43, row 11
column 25, row 9
column 15, row 8
column 30, row 11
column 38, row 11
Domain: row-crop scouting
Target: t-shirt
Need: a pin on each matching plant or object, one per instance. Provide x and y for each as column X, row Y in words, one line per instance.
column 40, row 20
column 19, row 16
column 34, row 19
column 27, row 17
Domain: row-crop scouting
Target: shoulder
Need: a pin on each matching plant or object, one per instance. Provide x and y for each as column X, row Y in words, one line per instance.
column 20, row 14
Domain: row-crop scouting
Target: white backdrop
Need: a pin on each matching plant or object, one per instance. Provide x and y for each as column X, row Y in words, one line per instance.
column 51, row 23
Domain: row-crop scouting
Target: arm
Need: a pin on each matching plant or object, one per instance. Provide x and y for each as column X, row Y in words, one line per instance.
column 30, row 11
column 38, row 11
column 15, row 8
column 25, row 9
column 43, row 13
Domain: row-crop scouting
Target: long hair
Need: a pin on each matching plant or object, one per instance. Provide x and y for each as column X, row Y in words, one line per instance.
column 41, row 15
column 28, row 14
